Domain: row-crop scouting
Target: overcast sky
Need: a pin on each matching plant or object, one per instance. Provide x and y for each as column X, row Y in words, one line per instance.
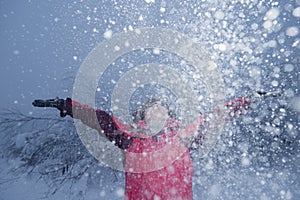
column 44, row 42
column 32, row 59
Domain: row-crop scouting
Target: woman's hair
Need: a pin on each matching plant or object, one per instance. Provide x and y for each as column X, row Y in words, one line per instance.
column 139, row 114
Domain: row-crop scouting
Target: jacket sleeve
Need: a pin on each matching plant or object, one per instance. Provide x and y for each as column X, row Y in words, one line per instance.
column 99, row 120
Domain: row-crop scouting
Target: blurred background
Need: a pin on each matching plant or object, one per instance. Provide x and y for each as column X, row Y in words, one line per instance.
column 255, row 45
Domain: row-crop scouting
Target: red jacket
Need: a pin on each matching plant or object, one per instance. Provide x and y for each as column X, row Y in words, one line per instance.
column 157, row 167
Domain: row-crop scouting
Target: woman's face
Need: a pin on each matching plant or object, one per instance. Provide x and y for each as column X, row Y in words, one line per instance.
column 156, row 112
column 156, row 117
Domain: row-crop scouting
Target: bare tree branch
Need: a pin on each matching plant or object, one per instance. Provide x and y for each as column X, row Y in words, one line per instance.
column 45, row 146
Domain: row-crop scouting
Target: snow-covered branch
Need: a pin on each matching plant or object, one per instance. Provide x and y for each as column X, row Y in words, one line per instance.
column 45, row 146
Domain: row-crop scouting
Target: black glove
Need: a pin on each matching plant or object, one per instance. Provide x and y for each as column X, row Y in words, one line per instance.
column 64, row 106
column 259, row 95
column 268, row 94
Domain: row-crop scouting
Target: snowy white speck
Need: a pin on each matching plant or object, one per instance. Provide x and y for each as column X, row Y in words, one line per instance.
column 219, row 15
column 296, row 12
column 254, row 26
column 117, row 48
column 268, row 24
column 130, row 27
column 150, row 1
column 288, row 67
column 162, row 10
column 107, row 34
column 274, row 83
column 296, row 43
column 292, row 31
column 245, row 161
column 137, row 31
column 95, row 30
column 272, row 14
column 222, row 47
column 156, row 51
column 272, row 43
column 127, row 44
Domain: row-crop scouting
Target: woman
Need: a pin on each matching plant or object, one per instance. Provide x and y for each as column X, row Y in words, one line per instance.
column 158, row 162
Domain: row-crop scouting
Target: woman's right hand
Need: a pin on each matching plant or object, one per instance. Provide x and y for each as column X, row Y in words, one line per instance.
column 64, row 106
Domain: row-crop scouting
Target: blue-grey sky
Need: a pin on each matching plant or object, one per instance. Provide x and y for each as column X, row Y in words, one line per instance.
column 43, row 43
column 32, row 53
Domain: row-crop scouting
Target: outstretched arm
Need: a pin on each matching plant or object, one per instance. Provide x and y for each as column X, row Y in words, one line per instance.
column 96, row 119
column 101, row 121
column 237, row 106
column 233, row 109
column 194, row 134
